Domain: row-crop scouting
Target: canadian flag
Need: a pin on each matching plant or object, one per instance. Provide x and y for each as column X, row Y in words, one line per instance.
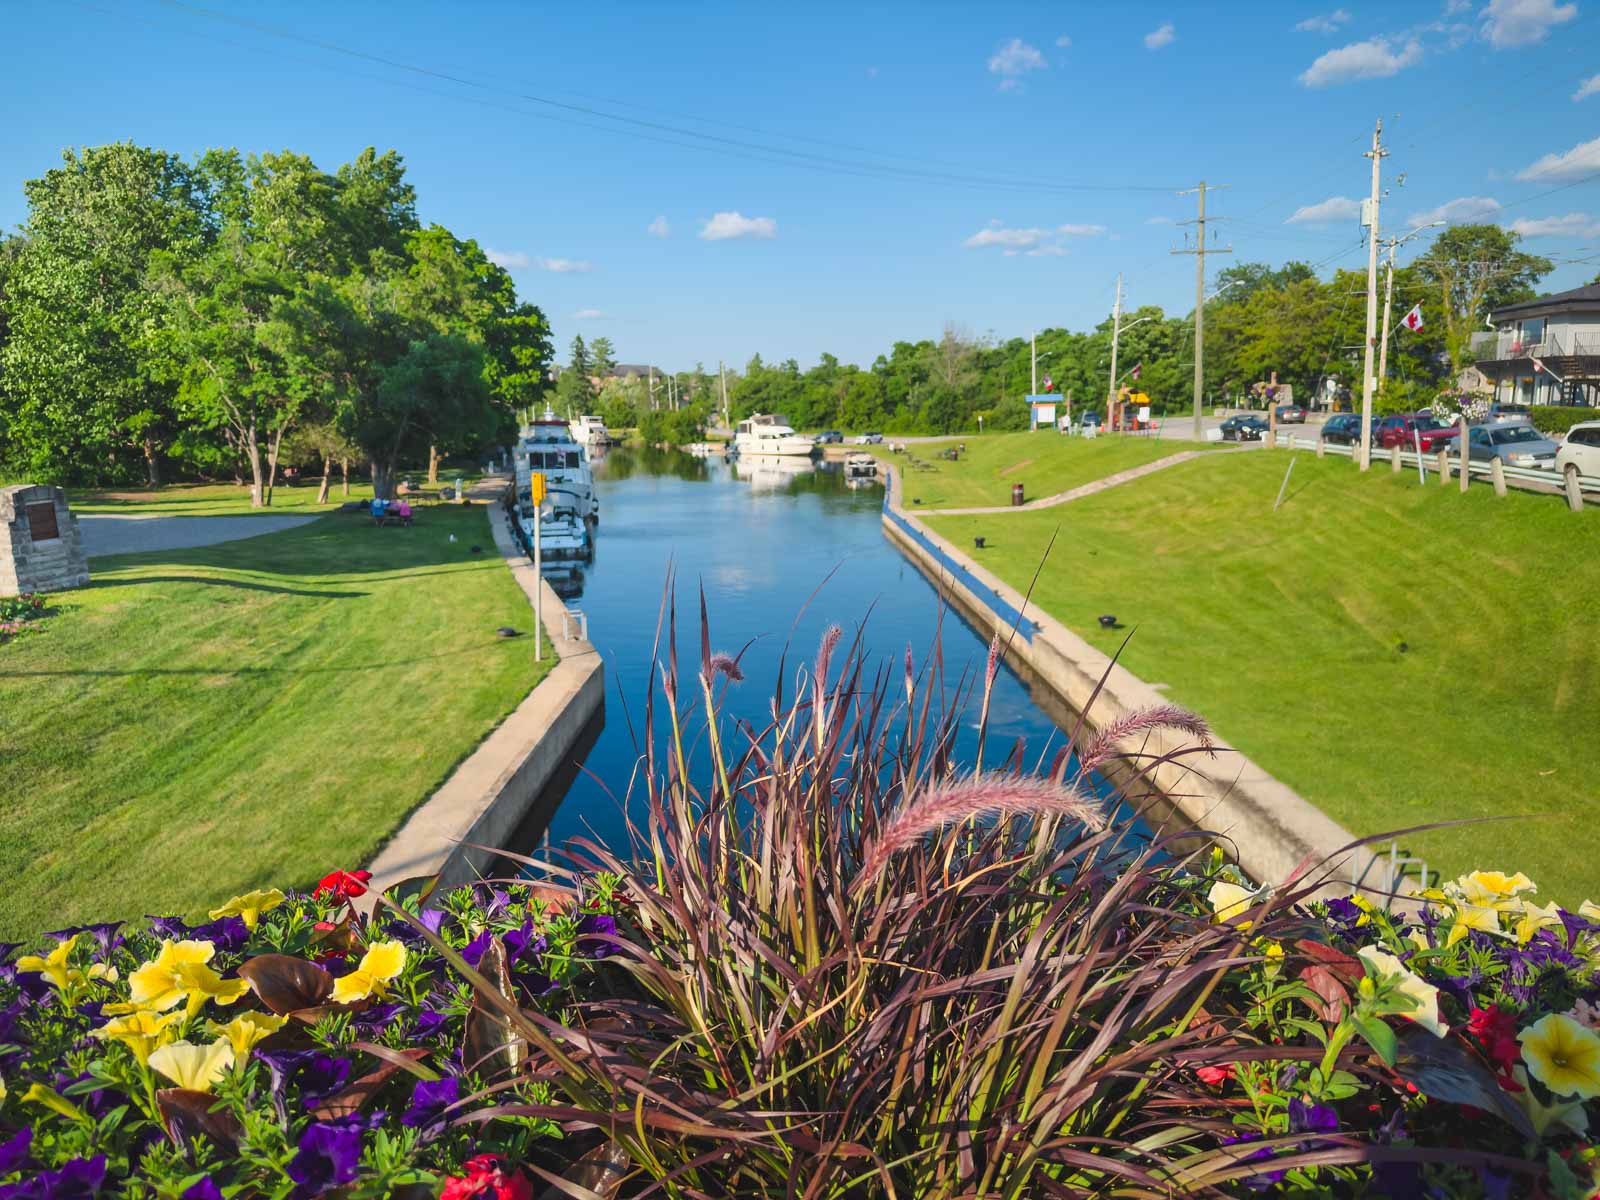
column 1413, row 319
column 1134, row 374
column 1048, row 384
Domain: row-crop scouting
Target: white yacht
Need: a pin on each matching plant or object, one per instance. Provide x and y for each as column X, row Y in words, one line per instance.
column 768, row 434
column 590, row 431
column 547, row 446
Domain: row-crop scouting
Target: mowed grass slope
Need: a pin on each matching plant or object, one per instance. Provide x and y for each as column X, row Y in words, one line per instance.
column 198, row 723
column 1044, row 463
column 1400, row 654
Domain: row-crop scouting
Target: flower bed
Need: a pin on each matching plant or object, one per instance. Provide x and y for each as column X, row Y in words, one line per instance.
column 843, row 964
column 21, row 615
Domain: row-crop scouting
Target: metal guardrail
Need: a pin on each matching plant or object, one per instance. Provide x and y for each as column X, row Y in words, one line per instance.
column 568, row 616
column 1476, row 468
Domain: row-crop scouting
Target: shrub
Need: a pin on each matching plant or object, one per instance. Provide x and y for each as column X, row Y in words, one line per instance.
column 1557, row 419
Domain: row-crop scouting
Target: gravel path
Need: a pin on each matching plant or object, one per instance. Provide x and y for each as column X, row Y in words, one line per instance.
column 133, row 534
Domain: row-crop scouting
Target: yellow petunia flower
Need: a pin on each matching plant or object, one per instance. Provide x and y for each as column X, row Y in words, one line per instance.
column 1568, row 1114
column 245, row 1030
column 57, row 968
column 1535, row 918
column 1589, row 910
column 1496, row 883
column 191, row 1066
column 1229, row 901
column 55, row 1101
column 2, row 1089
column 1563, row 1055
column 381, row 964
column 142, row 1032
column 180, row 972
column 250, row 906
column 1390, row 968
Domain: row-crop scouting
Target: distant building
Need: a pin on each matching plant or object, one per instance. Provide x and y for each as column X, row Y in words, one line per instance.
column 1544, row 351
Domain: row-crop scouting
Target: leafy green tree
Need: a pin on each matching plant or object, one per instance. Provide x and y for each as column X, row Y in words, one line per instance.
column 575, row 388
column 82, row 402
column 602, row 358
column 1475, row 269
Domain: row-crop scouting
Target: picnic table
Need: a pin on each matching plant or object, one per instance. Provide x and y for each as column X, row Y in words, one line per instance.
column 391, row 512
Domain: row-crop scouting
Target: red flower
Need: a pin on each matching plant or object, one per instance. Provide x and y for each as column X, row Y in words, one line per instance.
column 487, row 1177
column 1215, row 1076
column 1496, row 1031
column 344, row 885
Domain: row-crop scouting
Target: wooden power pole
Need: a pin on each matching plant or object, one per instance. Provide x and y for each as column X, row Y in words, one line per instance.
column 1200, row 251
column 1369, row 218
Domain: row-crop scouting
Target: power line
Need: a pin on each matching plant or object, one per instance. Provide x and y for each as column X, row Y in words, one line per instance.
column 639, row 127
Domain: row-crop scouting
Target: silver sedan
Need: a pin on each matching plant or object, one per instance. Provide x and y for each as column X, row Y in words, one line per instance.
column 1515, row 443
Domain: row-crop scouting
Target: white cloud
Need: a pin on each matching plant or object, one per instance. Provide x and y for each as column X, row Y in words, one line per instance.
column 1158, row 38
column 1583, row 159
column 725, row 225
column 1081, row 230
column 509, row 259
column 658, row 227
column 1509, row 23
column 1334, row 208
column 1049, row 251
column 1159, row 221
column 1577, row 225
column 1015, row 58
column 1324, row 22
column 1464, row 208
column 1010, row 239
column 564, row 266
column 1063, row 41
column 1587, row 88
column 588, row 314
column 1375, row 58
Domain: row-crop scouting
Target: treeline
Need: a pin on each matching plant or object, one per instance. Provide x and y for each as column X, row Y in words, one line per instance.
column 1260, row 320
column 210, row 318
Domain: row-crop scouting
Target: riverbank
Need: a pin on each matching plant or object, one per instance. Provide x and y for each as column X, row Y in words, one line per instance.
column 1398, row 654
column 201, row 722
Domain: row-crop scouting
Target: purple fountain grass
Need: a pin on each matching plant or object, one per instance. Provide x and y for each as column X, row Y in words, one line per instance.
column 1162, row 716
column 966, row 797
column 723, row 663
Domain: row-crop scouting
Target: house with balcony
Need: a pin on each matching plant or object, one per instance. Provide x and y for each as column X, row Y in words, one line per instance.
column 1544, row 351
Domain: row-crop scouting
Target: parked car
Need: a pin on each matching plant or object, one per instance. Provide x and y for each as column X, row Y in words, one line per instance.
column 869, row 439
column 829, row 437
column 1502, row 412
column 1291, row 414
column 1246, row 427
column 1407, row 429
column 1344, row 428
column 1517, row 444
column 1580, row 453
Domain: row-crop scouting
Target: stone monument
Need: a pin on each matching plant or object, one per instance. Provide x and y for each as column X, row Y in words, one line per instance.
column 41, row 549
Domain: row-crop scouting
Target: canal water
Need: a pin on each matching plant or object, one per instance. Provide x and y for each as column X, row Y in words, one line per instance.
column 760, row 540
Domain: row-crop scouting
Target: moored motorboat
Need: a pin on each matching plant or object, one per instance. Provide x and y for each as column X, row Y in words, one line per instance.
column 770, row 434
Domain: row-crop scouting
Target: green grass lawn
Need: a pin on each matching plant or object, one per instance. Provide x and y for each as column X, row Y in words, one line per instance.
column 1286, row 630
column 197, row 723
column 230, row 500
column 1044, row 463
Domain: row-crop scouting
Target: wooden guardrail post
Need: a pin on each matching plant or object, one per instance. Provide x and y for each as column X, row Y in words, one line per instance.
column 1322, row 448
column 1394, row 459
column 1574, row 492
column 1497, row 473
column 1465, row 459
column 1444, row 468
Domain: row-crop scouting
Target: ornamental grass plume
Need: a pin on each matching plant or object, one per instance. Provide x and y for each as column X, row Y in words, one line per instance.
column 967, row 798
column 1162, row 716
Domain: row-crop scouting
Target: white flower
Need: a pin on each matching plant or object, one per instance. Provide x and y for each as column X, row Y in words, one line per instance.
column 1390, row 968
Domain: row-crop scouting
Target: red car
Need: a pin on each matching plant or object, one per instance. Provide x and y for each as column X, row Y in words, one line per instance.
column 1409, row 428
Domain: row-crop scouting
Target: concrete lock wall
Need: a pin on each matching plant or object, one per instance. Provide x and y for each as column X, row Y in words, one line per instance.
column 1267, row 827
column 492, row 793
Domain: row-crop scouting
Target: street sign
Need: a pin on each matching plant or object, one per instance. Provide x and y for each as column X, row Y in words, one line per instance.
column 536, row 487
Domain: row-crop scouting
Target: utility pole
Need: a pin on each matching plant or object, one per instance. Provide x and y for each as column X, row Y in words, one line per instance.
column 1199, row 253
column 1388, row 301
column 1116, row 330
column 1033, row 363
column 722, row 374
column 1370, row 219
column 652, row 388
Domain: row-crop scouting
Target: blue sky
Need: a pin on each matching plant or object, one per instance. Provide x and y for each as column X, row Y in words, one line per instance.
column 727, row 179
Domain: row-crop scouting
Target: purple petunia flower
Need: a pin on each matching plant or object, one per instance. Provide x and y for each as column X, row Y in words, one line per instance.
column 228, row 934
column 600, row 931
column 472, row 953
column 1312, row 1118
column 316, row 1075
column 1257, row 1183
column 7, row 949
column 429, row 1099
column 14, row 1153
column 375, row 1018
column 172, row 928
column 105, row 934
column 77, row 1179
column 96, row 1102
column 204, row 1190
column 328, row 1157
column 432, row 920
column 429, row 1022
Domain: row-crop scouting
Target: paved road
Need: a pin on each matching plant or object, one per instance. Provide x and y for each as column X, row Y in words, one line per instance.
column 133, row 534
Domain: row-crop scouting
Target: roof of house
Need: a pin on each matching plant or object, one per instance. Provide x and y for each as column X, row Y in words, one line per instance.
column 1584, row 298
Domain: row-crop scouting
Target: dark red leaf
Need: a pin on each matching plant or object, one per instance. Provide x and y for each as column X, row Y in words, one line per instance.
column 284, row 983
column 187, row 1115
column 1325, row 983
column 1342, row 965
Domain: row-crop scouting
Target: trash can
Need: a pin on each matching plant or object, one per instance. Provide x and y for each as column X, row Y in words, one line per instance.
column 1016, row 495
